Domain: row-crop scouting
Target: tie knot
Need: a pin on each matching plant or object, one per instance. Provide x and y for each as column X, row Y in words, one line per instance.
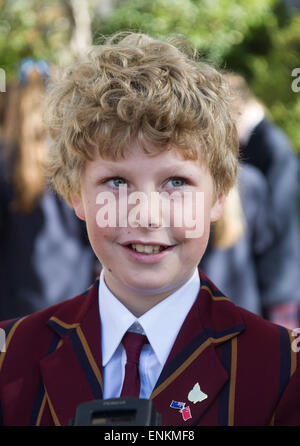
column 133, row 344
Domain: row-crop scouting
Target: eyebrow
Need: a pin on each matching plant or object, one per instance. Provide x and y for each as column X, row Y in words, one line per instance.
column 178, row 169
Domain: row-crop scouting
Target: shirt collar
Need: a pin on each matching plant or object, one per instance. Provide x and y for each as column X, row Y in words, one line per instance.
column 116, row 319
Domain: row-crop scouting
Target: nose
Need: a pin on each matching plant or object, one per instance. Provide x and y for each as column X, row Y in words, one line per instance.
column 145, row 209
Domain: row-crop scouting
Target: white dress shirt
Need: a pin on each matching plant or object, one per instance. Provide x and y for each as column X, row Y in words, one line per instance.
column 160, row 324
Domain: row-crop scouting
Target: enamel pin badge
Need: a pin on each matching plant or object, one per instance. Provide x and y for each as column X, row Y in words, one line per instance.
column 186, row 413
column 184, row 410
column 177, row 405
column 196, row 395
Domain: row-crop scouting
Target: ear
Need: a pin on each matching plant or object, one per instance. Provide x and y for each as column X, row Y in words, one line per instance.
column 78, row 206
column 217, row 208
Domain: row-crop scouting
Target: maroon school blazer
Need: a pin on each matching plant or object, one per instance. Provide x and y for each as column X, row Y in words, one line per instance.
column 245, row 366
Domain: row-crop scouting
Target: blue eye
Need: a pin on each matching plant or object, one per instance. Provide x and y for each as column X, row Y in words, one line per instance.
column 176, row 182
column 116, row 181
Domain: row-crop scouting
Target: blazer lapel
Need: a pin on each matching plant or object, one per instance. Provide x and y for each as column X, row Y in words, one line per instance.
column 194, row 373
column 72, row 374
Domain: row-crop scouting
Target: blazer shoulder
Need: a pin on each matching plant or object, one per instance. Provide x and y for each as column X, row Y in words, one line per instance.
column 260, row 329
column 30, row 336
column 263, row 339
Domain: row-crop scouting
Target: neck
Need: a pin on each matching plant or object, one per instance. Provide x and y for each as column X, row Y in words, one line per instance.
column 137, row 302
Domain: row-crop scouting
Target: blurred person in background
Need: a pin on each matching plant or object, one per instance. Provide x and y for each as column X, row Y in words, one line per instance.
column 44, row 254
column 239, row 240
column 266, row 147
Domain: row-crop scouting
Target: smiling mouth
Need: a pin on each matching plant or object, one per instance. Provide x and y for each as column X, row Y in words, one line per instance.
column 147, row 249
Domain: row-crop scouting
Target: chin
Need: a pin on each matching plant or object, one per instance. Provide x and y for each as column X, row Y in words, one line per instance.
column 149, row 285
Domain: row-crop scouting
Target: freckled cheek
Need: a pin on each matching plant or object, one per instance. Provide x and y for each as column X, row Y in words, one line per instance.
column 195, row 222
column 98, row 235
column 190, row 208
column 194, row 250
column 101, row 233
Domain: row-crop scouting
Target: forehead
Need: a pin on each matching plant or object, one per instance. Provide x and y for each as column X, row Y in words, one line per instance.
column 135, row 156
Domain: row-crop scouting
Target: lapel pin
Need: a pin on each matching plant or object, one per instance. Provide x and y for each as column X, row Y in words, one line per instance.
column 196, row 395
column 177, row 405
column 186, row 413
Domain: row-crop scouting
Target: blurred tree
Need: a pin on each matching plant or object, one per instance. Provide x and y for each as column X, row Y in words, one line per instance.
column 82, row 36
column 212, row 25
column 266, row 57
column 260, row 39
column 31, row 28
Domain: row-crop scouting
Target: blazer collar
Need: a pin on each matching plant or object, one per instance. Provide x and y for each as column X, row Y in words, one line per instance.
column 72, row 374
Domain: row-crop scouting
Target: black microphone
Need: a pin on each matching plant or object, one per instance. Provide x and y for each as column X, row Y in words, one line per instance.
column 116, row 412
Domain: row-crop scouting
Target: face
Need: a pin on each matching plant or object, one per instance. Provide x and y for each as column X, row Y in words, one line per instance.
column 142, row 279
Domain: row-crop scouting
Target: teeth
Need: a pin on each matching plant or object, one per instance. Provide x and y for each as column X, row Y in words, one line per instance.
column 147, row 249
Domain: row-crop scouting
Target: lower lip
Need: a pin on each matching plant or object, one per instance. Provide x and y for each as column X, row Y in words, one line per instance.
column 148, row 258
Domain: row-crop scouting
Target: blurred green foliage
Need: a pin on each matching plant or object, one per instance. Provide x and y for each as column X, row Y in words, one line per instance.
column 213, row 26
column 258, row 38
column 32, row 28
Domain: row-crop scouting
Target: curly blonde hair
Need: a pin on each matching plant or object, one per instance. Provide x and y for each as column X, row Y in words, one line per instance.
column 135, row 87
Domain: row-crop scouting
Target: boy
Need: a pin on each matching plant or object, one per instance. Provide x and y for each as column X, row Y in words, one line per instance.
column 137, row 118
